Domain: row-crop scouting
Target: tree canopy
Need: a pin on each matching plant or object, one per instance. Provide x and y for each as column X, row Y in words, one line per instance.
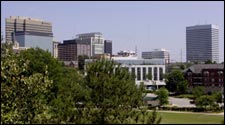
column 163, row 95
column 36, row 88
column 175, row 82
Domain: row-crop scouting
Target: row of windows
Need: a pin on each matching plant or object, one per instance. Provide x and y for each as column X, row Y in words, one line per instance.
column 146, row 75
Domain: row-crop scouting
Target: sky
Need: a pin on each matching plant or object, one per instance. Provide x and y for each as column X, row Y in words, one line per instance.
column 146, row 24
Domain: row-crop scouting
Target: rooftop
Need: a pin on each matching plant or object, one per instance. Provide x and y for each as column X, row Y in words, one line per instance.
column 197, row 68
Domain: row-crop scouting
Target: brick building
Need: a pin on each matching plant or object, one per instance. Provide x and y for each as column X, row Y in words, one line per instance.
column 69, row 50
column 211, row 76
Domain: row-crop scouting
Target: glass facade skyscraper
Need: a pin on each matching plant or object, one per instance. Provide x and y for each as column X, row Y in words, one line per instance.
column 202, row 43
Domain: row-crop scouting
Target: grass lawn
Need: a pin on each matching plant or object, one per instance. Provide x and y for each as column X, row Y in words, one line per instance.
column 188, row 118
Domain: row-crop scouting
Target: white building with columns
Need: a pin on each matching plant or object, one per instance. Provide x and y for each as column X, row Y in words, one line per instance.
column 142, row 67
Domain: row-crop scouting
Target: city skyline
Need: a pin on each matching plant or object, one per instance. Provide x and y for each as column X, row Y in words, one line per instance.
column 147, row 25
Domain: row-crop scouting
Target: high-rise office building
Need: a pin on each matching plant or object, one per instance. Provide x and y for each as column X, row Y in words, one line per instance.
column 108, row 46
column 202, row 43
column 157, row 53
column 96, row 41
column 69, row 50
column 29, row 32
column 18, row 23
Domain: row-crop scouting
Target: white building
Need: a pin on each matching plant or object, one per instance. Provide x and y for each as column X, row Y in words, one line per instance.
column 55, row 48
column 157, row 53
column 142, row 67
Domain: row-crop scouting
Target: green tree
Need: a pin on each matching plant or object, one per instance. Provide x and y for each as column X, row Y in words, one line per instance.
column 70, row 99
column 204, row 101
column 163, row 95
column 208, row 62
column 182, row 66
column 217, row 96
column 182, row 87
column 113, row 93
column 81, row 61
column 175, row 82
column 39, row 59
column 23, row 96
column 198, row 91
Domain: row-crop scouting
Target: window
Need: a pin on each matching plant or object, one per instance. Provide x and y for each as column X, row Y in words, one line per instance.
column 155, row 73
column 150, row 70
column 138, row 73
column 160, row 73
column 212, row 80
column 206, row 73
column 133, row 71
column 212, row 74
column 144, row 73
column 220, row 73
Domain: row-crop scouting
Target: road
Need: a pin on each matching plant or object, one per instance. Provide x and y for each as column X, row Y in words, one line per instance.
column 180, row 102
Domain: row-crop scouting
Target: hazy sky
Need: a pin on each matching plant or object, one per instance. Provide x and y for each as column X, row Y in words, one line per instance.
column 147, row 25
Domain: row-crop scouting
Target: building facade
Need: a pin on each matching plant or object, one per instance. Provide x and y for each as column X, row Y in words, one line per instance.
column 108, row 46
column 127, row 53
column 18, row 23
column 55, row 48
column 202, row 43
column 34, row 39
column 157, row 53
column 141, row 68
column 211, row 76
column 69, row 50
column 96, row 41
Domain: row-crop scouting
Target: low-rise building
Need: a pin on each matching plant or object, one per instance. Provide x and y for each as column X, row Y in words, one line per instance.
column 211, row 76
column 157, row 53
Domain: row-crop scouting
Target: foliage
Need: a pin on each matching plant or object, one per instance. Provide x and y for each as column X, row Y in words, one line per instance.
column 39, row 59
column 81, row 61
column 36, row 88
column 198, row 91
column 175, row 82
column 69, row 98
column 113, row 93
column 182, row 66
column 217, row 96
column 163, row 96
column 210, row 62
column 23, row 96
column 204, row 101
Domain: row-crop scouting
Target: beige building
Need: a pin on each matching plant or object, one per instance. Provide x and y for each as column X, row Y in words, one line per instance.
column 55, row 48
column 18, row 23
